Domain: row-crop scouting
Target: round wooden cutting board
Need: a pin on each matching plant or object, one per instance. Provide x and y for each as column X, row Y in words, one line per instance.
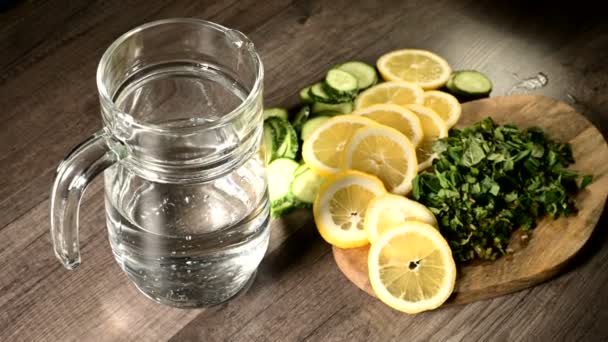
column 553, row 242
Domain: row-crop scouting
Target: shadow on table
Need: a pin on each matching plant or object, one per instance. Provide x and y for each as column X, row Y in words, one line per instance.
column 302, row 239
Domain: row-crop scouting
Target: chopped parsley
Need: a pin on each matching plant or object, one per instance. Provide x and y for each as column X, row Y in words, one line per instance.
column 490, row 180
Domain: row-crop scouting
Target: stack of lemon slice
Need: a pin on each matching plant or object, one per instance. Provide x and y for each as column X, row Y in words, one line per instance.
column 369, row 159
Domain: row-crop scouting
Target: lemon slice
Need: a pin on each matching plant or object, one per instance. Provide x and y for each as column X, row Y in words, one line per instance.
column 339, row 208
column 389, row 211
column 411, row 268
column 383, row 152
column 434, row 128
column 418, row 66
column 399, row 93
column 322, row 150
column 445, row 105
column 400, row 118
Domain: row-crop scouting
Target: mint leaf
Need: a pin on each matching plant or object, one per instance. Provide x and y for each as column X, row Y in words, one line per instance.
column 490, row 180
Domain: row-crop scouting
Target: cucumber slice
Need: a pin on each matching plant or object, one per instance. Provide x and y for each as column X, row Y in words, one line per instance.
column 327, row 113
column 449, row 86
column 365, row 74
column 317, row 93
column 335, row 97
column 340, row 82
column 286, row 139
column 311, row 125
column 450, row 82
column 305, row 186
column 283, row 207
column 471, row 83
column 302, row 168
column 343, row 108
column 305, row 95
column 279, row 132
column 291, row 151
column 280, row 174
column 269, row 143
column 300, row 118
column 275, row 111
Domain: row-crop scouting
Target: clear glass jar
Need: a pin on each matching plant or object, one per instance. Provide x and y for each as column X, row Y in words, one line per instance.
column 186, row 198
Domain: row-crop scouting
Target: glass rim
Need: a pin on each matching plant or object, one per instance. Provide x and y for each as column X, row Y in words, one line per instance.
column 106, row 98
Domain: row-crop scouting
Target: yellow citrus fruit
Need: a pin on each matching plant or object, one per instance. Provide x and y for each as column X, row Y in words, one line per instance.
column 411, row 268
column 322, row 151
column 418, row 66
column 445, row 105
column 339, row 208
column 434, row 128
column 397, row 117
column 399, row 93
column 385, row 153
column 389, row 211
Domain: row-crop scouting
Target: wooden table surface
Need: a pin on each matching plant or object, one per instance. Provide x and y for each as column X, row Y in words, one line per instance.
column 49, row 51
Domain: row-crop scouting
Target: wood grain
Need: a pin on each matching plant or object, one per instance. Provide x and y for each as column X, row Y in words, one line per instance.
column 554, row 242
column 48, row 56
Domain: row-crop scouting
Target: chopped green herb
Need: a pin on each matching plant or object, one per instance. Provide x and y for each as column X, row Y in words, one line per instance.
column 489, row 180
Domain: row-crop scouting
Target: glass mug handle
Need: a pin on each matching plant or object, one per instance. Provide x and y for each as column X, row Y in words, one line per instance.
column 75, row 172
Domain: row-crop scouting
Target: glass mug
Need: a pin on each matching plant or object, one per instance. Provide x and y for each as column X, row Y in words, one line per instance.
column 185, row 186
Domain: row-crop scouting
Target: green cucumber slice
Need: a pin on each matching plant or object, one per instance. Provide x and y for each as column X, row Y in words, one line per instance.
column 302, row 168
column 292, row 148
column 279, row 130
column 305, row 186
column 305, row 95
column 365, row 74
column 280, row 174
column 269, row 143
column 283, row 207
column 300, row 118
column 341, row 82
column 317, row 93
column 343, row 108
column 471, row 83
column 337, row 98
column 275, row 112
column 311, row 125
column 327, row 113
column 286, row 142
